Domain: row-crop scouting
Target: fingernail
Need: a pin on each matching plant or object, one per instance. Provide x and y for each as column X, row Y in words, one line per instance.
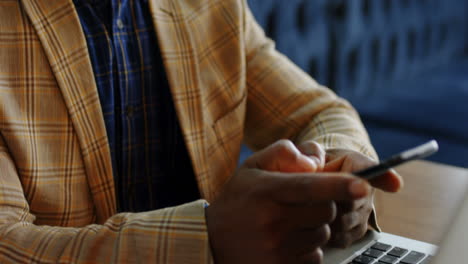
column 359, row 188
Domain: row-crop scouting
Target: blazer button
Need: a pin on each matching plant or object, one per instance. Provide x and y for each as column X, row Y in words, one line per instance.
column 120, row 24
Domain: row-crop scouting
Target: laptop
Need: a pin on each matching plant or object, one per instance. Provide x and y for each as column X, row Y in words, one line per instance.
column 384, row 248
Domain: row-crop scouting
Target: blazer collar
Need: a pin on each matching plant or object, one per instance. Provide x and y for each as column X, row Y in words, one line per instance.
column 180, row 61
column 60, row 32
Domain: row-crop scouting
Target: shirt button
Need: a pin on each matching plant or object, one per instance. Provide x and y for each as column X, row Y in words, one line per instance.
column 120, row 24
column 129, row 111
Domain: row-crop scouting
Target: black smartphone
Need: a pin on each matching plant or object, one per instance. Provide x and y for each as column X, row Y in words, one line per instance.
column 418, row 152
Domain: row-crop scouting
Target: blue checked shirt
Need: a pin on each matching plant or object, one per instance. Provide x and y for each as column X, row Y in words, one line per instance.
column 150, row 161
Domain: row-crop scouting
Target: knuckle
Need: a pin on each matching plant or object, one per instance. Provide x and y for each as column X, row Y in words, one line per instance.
column 317, row 147
column 323, row 234
column 330, row 212
column 285, row 142
column 285, row 147
column 316, row 256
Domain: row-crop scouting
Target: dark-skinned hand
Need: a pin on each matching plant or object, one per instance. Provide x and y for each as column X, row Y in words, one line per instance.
column 351, row 222
column 271, row 211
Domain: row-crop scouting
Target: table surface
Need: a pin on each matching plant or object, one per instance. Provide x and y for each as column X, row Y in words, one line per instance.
column 425, row 207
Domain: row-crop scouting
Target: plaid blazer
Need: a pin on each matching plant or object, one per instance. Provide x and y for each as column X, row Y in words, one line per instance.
column 57, row 200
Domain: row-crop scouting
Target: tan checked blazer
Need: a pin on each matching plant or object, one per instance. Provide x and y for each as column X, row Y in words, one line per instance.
column 57, row 200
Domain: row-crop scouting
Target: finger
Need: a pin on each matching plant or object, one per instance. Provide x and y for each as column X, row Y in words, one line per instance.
column 345, row 239
column 347, row 161
column 390, row 181
column 309, row 216
column 342, row 160
column 334, row 153
column 305, row 241
column 334, row 165
column 313, row 257
column 314, row 151
column 310, row 188
column 282, row 156
column 346, row 222
column 344, row 207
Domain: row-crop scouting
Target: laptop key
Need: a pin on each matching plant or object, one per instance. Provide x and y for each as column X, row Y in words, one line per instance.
column 363, row 260
column 413, row 257
column 398, row 252
column 373, row 253
column 388, row 259
column 381, row 246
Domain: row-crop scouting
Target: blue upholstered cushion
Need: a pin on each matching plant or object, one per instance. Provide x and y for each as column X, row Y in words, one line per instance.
column 389, row 141
column 402, row 63
column 432, row 105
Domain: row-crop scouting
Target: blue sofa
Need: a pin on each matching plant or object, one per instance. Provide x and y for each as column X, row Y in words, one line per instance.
column 402, row 63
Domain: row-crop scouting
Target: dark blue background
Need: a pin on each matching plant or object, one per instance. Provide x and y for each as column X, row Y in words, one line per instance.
column 402, row 63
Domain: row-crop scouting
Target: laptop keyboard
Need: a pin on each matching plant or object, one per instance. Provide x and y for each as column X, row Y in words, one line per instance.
column 381, row 253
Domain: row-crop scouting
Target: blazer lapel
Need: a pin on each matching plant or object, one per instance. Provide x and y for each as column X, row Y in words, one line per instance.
column 58, row 27
column 182, row 69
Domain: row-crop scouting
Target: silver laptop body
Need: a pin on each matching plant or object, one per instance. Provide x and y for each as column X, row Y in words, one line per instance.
column 384, row 248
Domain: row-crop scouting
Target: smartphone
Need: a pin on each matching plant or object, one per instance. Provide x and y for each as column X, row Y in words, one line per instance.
column 418, row 152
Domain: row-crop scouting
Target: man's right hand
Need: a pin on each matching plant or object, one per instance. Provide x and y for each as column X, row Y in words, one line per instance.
column 266, row 216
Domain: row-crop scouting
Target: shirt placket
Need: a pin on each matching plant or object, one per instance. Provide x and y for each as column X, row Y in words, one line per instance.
column 121, row 33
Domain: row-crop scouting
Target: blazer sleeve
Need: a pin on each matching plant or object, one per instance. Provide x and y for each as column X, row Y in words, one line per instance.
column 285, row 102
column 172, row 235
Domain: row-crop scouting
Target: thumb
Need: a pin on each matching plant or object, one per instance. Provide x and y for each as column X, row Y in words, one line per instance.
column 282, row 156
column 317, row 187
column 390, row 181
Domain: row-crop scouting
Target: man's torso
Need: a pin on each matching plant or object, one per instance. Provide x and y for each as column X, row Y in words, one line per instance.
column 50, row 113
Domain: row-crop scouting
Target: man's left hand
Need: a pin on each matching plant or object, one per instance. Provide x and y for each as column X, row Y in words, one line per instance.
column 352, row 218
